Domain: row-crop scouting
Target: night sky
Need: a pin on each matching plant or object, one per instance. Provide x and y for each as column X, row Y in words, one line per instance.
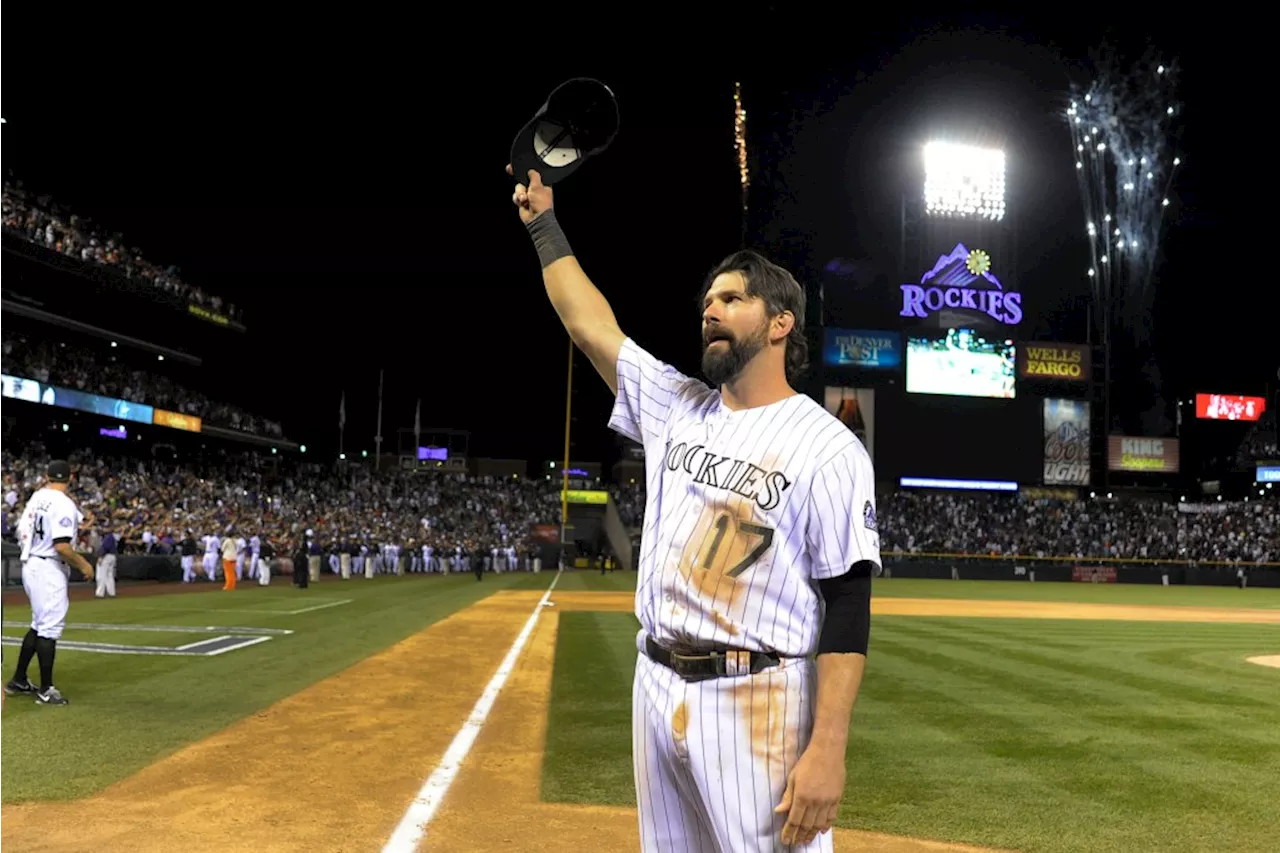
column 350, row 195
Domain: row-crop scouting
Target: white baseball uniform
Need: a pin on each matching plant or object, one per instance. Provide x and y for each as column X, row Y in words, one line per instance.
column 255, row 555
column 49, row 516
column 211, row 546
column 745, row 511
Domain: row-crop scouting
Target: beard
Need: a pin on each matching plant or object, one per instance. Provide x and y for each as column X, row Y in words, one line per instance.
column 724, row 364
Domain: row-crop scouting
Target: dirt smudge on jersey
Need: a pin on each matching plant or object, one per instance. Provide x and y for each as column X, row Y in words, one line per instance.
column 762, row 704
column 725, row 624
column 722, row 541
column 680, row 723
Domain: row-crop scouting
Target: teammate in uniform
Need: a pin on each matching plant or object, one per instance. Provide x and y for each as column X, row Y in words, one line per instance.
column 47, row 529
column 759, row 545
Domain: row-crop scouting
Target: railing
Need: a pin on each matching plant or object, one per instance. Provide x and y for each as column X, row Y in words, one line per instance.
column 1024, row 567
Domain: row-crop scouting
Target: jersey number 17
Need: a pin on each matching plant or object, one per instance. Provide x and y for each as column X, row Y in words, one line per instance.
column 747, row 527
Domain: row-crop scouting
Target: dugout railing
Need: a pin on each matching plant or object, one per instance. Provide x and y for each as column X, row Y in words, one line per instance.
column 1018, row 567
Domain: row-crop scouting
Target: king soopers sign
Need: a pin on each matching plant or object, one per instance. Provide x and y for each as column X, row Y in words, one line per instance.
column 951, row 284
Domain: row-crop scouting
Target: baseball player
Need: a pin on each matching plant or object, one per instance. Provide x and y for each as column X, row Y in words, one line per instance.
column 756, row 560
column 47, row 528
column 212, row 544
column 106, row 568
column 188, row 548
column 242, row 549
column 255, row 555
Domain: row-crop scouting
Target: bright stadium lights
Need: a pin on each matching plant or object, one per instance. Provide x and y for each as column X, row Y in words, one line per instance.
column 964, row 181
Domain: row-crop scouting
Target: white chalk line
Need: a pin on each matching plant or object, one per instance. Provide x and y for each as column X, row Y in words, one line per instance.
column 413, row 826
column 262, row 611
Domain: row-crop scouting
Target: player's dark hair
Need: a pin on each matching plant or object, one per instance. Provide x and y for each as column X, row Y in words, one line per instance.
column 780, row 292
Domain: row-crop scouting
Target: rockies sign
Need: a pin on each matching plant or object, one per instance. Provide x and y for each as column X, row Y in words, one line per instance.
column 962, row 281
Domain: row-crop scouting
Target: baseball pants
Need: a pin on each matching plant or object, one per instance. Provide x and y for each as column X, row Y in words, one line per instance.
column 712, row 757
column 106, row 575
column 45, row 582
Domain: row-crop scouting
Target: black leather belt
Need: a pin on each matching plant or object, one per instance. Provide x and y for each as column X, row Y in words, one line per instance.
column 721, row 663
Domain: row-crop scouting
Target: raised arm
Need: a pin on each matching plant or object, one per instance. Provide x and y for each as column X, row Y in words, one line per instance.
column 582, row 308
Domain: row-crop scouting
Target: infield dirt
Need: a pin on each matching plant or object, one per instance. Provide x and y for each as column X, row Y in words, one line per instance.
column 333, row 767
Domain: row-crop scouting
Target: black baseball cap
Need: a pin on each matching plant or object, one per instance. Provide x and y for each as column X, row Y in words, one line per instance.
column 577, row 122
column 59, row 471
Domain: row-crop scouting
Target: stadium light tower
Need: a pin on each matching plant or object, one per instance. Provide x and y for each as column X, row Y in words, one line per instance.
column 964, row 181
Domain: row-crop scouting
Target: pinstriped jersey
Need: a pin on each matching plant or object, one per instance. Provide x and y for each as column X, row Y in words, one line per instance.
column 744, row 511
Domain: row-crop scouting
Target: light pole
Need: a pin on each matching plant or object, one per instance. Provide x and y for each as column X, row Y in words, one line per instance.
column 564, row 470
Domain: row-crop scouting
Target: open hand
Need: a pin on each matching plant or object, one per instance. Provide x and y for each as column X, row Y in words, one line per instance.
column 811, row 800
column 533, row 199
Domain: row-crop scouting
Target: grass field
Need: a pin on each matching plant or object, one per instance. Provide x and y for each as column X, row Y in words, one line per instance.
column 1036, row 735
column 1030, row 734
column 127, row 711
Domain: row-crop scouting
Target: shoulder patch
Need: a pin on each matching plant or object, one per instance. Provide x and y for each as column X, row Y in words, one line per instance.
column 869, row 516
column 66, row 521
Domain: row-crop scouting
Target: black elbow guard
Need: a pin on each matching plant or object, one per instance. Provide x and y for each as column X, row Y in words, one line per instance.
column 847, row 625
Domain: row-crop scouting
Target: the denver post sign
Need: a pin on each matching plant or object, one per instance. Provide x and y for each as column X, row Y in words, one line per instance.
column 962, row 280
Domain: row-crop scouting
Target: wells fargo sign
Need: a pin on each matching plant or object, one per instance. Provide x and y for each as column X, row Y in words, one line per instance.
column 1068, row 362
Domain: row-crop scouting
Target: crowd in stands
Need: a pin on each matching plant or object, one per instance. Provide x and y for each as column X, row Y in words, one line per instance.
column 1259, row 444
column 925, row 522
column 152, row 505
column 629, row 499
column 38, row 219
column 1003, row 524
column 71, row 367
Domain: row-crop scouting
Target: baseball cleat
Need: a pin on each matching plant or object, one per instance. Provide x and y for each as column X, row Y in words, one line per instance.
column 50, row 696
column 13, row 687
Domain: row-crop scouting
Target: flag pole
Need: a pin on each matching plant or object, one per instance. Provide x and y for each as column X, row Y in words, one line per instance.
column 377, row 439
column 342, row 422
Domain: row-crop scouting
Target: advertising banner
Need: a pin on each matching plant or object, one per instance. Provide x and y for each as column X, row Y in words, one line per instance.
column 1093, row 574
column 1054, row 362
column 1229, row 407
column 861, row 348
column 545, row 533
column 176, row 420
column 1267, row 474
column 1066, row 442
column 581, row 496
column 1037, row 493
column 856, row 409
column 1151, row 455
column 32, row 391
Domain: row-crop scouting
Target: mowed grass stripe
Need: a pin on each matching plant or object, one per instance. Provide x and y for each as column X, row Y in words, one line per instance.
column 128, row 711
column 1046, row 776
column 1173, row 727
column 588, row 746
column 1171, row 685
column 1252, row 598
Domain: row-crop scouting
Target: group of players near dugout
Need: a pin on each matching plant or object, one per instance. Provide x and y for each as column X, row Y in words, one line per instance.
column 347, row 559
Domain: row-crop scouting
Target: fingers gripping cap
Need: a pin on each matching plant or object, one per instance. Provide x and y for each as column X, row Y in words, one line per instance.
column 59, row 471
column 578, row 121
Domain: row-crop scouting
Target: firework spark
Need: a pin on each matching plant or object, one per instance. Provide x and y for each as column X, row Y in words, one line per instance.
column 1123, row 132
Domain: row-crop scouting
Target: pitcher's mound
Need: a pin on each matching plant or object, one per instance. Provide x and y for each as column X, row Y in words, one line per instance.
column 1266, row 660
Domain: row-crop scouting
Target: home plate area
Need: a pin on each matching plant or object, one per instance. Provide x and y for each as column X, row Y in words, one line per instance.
column 227, row 639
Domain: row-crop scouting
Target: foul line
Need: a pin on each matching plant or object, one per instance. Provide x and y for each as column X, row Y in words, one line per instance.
column 413, row 826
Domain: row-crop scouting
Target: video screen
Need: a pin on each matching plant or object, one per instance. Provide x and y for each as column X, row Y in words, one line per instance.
column 963, row 364
column 1230, row 407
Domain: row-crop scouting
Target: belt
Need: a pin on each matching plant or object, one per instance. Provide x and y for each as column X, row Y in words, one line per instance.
column 714, row 664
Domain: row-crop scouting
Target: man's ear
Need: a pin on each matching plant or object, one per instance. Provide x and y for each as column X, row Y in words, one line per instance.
column 782, row 326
